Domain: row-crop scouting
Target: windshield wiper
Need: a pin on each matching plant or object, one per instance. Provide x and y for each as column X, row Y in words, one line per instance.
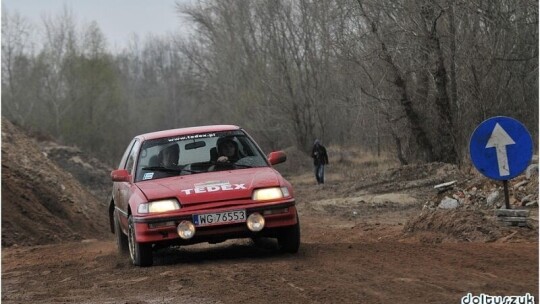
column 242, row 166
column 174, row 170
column 227, row 164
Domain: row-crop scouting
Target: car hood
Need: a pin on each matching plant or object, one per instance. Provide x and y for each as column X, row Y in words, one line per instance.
column 212, row 186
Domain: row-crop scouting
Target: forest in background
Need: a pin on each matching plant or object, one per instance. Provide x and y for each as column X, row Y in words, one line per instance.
column 407, row 78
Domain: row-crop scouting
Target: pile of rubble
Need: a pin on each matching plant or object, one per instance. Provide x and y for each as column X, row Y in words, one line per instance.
column 474, row 209
column 479, row 192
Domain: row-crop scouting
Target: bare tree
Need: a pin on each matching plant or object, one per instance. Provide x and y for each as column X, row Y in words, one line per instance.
column 17, row 67
column 411, row 78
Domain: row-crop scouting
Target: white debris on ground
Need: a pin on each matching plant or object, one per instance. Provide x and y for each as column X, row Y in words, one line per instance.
column 483, row 193
column 473, row 209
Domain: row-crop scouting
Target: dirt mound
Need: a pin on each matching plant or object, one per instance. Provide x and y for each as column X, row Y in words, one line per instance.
column 93, row 174
column 461, row 225
column 41, row 203
column 470, row 225
column 409, row 192
column 468, row 203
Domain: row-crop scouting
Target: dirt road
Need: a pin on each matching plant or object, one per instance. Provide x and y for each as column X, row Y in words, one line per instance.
column 363, row 240
column 343, row 259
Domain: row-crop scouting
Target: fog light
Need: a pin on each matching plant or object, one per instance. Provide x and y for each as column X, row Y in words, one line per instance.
column 186, row 230
column 255, row 222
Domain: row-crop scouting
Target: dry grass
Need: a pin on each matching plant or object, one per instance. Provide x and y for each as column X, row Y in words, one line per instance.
column 346, row 164
column 352, row 163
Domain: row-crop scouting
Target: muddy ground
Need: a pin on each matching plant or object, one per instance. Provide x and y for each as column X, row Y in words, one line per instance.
column 365, row 258
column 361, row 243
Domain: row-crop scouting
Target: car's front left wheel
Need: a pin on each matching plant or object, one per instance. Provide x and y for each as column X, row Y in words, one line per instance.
column 289, row 238
column 140, row 253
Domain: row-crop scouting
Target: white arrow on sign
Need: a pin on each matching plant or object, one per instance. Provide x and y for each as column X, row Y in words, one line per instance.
column 499, row 139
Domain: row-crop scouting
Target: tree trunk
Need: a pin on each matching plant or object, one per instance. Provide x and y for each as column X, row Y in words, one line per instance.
column 417, row 130
column 446, row 143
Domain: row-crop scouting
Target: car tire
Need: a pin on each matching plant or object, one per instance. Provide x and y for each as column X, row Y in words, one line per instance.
column 289, row 238
column 256, row 240
column 121, row 238
column 140, row 254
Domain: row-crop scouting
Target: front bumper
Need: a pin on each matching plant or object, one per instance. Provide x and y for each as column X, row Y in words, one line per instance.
column 149, row 229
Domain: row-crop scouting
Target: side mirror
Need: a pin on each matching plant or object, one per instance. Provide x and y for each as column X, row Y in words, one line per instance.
column 277, row 157
column 120, row 175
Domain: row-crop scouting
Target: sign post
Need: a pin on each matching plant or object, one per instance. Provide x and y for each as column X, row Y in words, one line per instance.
column 501, row 148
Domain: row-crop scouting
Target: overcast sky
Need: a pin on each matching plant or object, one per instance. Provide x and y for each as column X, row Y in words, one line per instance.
column 118, row 19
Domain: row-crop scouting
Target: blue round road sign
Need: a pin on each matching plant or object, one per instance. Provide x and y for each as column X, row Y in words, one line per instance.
column 501, row 148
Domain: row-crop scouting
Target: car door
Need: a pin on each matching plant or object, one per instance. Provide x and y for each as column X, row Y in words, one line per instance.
column 122, row 190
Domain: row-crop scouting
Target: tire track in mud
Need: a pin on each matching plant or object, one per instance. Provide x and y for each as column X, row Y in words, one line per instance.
column 361, row 267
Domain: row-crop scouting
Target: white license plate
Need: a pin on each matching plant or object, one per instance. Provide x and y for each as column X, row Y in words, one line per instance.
column 207, row 219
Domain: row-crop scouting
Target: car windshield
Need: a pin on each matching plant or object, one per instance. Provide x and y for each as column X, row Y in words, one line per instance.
column 197, row 153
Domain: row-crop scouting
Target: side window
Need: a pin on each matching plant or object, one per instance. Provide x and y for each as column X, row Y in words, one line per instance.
column 122, row 164
column 132, row 156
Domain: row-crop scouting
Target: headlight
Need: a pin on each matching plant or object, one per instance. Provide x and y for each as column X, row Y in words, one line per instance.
column 159, row 206
column 273, row 193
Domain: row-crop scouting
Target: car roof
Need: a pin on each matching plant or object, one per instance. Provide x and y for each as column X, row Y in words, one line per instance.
column 187, row 131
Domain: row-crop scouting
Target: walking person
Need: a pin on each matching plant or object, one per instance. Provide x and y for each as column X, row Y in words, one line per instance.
column 320, row 158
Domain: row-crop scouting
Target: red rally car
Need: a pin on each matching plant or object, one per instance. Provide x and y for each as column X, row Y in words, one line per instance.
column 200, row 184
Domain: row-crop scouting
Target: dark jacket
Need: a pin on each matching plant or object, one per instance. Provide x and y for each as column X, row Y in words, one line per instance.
column 319, row 155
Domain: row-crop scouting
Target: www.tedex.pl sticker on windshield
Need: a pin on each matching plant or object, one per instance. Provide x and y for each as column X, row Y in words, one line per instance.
column 195, row 136
column 149, row 175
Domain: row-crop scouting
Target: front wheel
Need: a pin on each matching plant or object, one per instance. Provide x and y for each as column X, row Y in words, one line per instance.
column 289, row 238
column 140, row 254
